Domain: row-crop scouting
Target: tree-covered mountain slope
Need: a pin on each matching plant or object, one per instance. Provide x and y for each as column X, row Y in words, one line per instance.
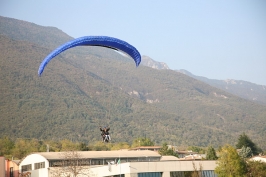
column 88, row 87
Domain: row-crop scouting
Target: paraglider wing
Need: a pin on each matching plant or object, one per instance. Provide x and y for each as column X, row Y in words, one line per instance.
column 103, row 41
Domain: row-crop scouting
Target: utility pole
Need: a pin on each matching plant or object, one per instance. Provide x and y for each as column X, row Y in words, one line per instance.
column 47, row 147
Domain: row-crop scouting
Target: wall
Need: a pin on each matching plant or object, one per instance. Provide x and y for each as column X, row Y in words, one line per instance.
column 43, row 172
column 2, row 166
column 133, row 168
column 14, row 165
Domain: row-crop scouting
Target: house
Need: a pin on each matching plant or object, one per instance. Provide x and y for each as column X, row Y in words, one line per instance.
column 9, row 168
column 140, row 163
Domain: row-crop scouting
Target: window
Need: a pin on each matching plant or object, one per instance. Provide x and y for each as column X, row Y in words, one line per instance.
column 84, row 162
column 97, row 161
column 177, row 174
column 150, row 174
column 56, row 163
column 207, row 173
column 121, row 175
column 26, row 168
column 39, row 165
column 70, row 162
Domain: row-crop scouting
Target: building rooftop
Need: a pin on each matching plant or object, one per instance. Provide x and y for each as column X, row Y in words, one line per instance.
column 186, row 152
column 147, row 148
column 191, row 157
column 168, row 158
column 100, row 154
column 259, row 158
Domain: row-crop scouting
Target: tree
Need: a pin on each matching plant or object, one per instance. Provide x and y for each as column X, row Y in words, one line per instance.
column 196, row 149
column 24, row 147
column 230, row 164
column 245, row 152
column 196, row 172
column 71, row 165
column 120, row 145
column 53, row 146
column 99, row 146
column 142, row 142
column 6, row 145
column 211, row 154
column 83, row 147
column 68, row 145
column 167, row 151
column 245, row 141
column 256, row 168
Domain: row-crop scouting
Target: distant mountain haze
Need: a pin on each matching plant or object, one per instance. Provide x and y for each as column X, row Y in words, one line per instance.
column 243, row 89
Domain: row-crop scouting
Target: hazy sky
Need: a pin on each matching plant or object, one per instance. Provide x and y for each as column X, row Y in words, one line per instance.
column 217, row 39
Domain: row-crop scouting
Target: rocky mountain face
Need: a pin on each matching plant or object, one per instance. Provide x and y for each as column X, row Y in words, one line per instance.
column 243, row 89
column 147, row 61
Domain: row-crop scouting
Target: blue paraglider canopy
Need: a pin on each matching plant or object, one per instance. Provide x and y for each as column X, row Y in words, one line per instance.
column 103, row 41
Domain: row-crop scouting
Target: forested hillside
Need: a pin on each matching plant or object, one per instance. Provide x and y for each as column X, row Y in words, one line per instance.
column 88, row 87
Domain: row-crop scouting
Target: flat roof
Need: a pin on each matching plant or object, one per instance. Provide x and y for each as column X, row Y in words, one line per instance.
column 168, row 158
column 100, row 154
column 147, row 147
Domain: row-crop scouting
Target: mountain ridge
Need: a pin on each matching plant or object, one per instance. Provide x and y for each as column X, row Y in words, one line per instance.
column 244, row 89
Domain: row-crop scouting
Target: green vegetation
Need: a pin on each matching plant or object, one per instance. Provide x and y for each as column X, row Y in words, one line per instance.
column 165, row 150
column 245, row 142
column 19, row 148
column 85, row 88
column 229, row 163
column 256, row 168
column 199, row 150
column 245, row 152
column 142, row 142
column 233, row 163
column 211, row 154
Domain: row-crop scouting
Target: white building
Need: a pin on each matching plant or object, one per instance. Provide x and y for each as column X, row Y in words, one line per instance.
column 259, row 158
column 106, row 163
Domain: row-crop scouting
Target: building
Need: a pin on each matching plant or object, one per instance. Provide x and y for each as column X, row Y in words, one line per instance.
column 259, row 158
column 151, row 148
column 183, row 154
column 111, row 163
column 9, row 168
column 192, row 157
